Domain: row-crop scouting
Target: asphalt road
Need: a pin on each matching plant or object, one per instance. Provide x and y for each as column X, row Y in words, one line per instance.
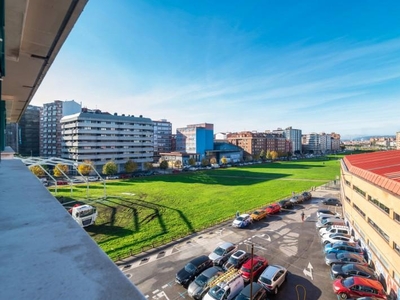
column 283, row 239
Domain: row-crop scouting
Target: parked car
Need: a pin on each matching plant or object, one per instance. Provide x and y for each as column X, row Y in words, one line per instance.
column 254, row 289
column 334, row 229
column 348, row 270
column 221, row 254
column 259, row 264
column 198, row 288
column 77, row 180
column 285, row 203
column 192, row 269
column 258, row 214
column 272, row 278
column 343, row 246
column 325, row 222
column 242, row 221
column 336, row 237
column 344, row 258
column 296, row 199
column 236, row 260
column 326, row 212
column 93, row 178
column 332, row 201
column 307, row 195
column 112, row 177
column 273, row 209
column 358, row 287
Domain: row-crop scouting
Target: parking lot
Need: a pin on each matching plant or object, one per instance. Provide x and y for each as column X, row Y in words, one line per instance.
column 282, row 239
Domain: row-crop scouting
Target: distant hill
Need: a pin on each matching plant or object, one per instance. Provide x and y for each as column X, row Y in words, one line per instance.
column 367, row 137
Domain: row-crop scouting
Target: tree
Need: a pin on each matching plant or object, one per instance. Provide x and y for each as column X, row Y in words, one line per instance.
column 37, row 170
column 224, row 160
column 262, row 155
column 256, row 157
column 274, row 155
column 268, row 154
column 110, row 168
column 178, row 164
column 59, row 169
column 86, row 167
column 148, row 165
column 164, row 165
column 192, row 161
column 213, row 160
column 130, row 166
column 205, row 162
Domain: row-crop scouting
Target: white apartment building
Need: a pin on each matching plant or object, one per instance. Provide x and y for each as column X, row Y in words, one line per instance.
column 311, row 142
column 294, row 136
column 325, row 142
column 162, row 137
column 50, row 127
column 102, row 137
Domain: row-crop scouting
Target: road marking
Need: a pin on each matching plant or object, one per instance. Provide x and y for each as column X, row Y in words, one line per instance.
column 308, row 271
column 165, row 285
column 156, row 291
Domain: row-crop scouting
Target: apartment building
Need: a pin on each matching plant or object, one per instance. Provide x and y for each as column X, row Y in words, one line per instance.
column 196, row 138
column 294, row 136
column 371, row 205
column 50, row 126
column 398, row 140
column 252, row 143
column 162, row 137
column 29, row 132
column 325, row 141
column 103, row 137
column 311, row 143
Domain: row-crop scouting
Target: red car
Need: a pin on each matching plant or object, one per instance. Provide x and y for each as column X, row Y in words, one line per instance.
column 259, row 264
column 355, row 287
column 273, row 209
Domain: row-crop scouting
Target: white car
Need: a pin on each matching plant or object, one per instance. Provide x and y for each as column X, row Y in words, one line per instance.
column 336, row 237
column 272, row 278
column 242, row 221
column 221, row 254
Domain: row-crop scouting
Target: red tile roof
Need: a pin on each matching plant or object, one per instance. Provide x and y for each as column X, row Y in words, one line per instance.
column 380, row 168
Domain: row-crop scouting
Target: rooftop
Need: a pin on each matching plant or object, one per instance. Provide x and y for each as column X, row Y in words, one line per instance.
column 380, row 168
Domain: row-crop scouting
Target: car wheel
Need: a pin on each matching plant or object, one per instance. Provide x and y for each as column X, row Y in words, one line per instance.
column 343, row 296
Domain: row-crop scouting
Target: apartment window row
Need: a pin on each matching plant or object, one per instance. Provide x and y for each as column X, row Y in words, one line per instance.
column 396, row 248
column 347, row 182
column 359, row 210
column 359, row 230
column 378, row 255
column 347, row 199
column 378, row 204
column 378, row 230
column 359, row 191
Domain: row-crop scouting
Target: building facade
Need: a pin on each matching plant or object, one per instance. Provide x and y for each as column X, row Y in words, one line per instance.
column 197, row 138
column 294, row 136
column 371, row 205
column 162, row 138
column 398, row 140
column 12, row 136
column 311, row 143
column 252, row 143
column 50, row 126
column 102, row 137
column 29, row 132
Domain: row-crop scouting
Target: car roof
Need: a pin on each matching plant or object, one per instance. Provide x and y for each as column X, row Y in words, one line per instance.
column 244, row 215
column 246, row 291
column 211, row 271
column 225, row 245
column 199, row 260
column 367, row 281
column 350, row 254
column 271, row 270
column 255, row 259
column 239, row 253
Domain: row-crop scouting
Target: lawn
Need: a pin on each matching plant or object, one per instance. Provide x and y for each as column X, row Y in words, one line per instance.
column 138, row 214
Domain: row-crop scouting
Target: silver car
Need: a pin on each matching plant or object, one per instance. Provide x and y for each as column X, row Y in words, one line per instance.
column 221, row 254
column 272, row 278
column 198, row 288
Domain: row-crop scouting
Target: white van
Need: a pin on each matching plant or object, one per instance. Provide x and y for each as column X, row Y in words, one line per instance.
column 334, row 229
column 227, row 286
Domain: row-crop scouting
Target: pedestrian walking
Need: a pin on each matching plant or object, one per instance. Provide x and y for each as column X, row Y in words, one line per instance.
column 302, row 216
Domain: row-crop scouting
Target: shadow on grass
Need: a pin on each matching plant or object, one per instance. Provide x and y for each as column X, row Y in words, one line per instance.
column 108, row 229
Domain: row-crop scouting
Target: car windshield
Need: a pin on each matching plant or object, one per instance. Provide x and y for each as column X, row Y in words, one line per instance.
column 245, row 270
column 201, row 280
column 216, row 292
column 219, row 251
column 256, row 212
column 190, row 268
column 265, row 280
column 233, row 261
column 239, row 218
column 347, row 268
column 348, row 282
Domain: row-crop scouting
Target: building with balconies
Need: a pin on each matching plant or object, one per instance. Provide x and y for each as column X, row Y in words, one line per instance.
column 50, row 126
column 102, row 137
column 162, row 138
column 371, row 205
column 294, row 136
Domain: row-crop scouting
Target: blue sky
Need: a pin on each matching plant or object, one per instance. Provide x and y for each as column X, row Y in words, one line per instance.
column 318, row 66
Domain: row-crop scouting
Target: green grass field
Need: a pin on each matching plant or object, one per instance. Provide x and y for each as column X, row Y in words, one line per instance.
column 149, row 211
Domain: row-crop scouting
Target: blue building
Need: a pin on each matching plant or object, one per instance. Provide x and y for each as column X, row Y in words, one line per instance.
column 195, row 139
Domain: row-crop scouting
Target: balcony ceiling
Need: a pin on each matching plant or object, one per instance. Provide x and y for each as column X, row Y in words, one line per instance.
column 35, row 30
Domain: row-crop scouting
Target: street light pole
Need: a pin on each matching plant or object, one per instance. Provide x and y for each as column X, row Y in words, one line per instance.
column 251, row 271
